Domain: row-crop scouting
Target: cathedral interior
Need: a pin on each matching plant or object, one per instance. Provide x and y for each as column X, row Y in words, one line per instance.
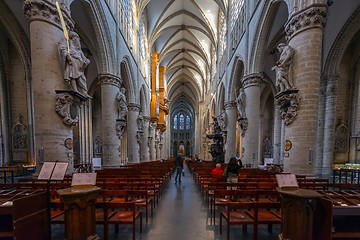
column 134, row 81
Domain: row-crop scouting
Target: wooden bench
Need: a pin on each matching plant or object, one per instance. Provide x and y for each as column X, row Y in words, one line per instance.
column 24, row 214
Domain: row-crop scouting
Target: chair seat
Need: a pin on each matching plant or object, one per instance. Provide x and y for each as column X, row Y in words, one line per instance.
column 124, row 217
column 239, row 217
column 266, row 216
column 222, row 200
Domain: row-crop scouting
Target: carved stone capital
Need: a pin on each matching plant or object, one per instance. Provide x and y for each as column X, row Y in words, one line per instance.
column 230, row 105
column 288, row 103
column 109, row 79
column 313, row 17
column 253, row 79
column 134, row 107
column 67, row 108
column 44, row 10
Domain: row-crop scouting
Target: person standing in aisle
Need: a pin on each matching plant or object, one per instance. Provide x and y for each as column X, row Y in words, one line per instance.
column 179, row 164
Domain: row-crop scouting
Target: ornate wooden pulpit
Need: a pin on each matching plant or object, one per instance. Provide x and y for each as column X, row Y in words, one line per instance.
column 79, row 206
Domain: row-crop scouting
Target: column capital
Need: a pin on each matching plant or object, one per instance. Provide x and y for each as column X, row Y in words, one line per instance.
column 45, row 10
column 230, row 105
column 109, row 79
column 134, row 107
column 314, row 16
column 253, row 79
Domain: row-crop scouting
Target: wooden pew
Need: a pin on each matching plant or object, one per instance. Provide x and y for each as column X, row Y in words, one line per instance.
column 24, row 215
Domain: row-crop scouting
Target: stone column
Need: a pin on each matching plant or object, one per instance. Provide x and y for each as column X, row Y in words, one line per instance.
column 151, row 143
column 145, row 139
column 230, row 146
column 110, row 86
column 251, row 84
column 47, row 76
column 277, row 137
column 132, row 128
column 305, row 35
column 329, row 127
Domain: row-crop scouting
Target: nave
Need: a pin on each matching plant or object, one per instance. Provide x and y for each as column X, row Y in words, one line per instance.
column 181, row 214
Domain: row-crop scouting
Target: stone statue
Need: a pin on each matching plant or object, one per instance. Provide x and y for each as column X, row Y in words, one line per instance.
column 74, row 63
column 222, row 119
column 121, row 104
column 282, row 67
column 240, row 103
column 140, row 121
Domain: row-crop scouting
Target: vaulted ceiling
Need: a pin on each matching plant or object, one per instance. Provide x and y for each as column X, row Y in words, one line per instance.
column 184, row 32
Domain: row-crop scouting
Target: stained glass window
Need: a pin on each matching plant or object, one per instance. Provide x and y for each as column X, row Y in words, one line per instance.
column 187, row 122
column 175, row 121
column 181, row 122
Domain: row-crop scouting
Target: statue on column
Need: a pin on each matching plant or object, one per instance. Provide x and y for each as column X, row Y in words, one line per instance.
column 140, row 122
column 222, row 119
column 282, row 67
column 74, row 63
column 240, row 103
column 121, row 104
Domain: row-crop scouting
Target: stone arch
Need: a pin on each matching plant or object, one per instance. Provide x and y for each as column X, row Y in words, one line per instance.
column 21, row 43
column 346, row 35
column 262, row 33
column 103, row 46
column 235, row 83
column 341, row 77
column 128, row 79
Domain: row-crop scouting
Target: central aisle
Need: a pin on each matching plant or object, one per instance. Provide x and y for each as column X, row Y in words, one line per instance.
column 180, row 214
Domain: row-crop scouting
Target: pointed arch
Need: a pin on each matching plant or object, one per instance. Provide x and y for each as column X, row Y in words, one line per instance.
column 104, row 47
column 128, row 79
column 235, row 83
column 261, row 38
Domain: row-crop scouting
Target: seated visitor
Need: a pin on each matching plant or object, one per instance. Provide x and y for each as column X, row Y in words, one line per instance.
column 217, row 172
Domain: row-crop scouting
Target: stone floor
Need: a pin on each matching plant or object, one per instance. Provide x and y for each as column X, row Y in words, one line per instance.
column 180, row 215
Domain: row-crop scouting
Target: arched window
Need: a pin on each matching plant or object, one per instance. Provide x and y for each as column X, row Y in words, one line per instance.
column 181, row 122
column 187, row 122
column 175, row 121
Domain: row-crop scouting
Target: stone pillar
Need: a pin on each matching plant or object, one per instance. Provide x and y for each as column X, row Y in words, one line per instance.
column 251, row 85
column 305, row 35
column 277, row 137
column 132, row 128
column 329, row 127
column 145, row 139
column 110, row 86
column 230, row 146
column 47, row 76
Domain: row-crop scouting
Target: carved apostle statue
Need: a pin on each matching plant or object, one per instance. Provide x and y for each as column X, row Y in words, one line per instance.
column 241, row 103
column 121, row 104
column 74, row 63
column 140, row 121
column 282, row 67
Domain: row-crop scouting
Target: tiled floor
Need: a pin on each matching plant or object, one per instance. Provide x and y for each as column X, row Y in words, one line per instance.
column 181, row 215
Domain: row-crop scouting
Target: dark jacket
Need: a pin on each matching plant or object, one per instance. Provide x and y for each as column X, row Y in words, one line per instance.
column 179, row 162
